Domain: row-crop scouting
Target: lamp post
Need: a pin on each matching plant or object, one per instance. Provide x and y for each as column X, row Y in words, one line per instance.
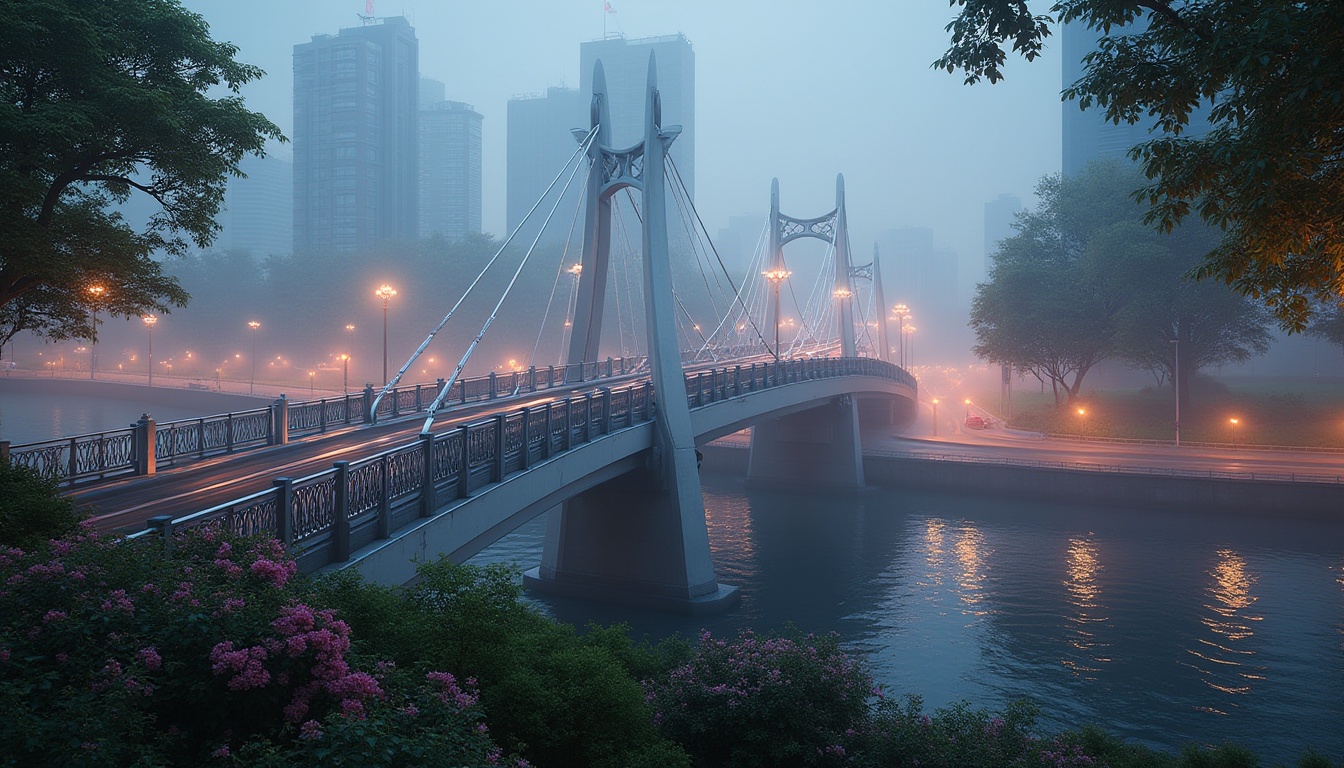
column 776, row 276
column 1176, row 380
column 935, row 417
column 1234, row 421
column 385, row 292
column 901, row 313
column 311, row 374
column 252, row 382
column 149, row 321
column 908, row 343
column 345, row 382
column 96, row 293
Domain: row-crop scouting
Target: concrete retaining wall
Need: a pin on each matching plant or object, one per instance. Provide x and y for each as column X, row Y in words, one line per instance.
column 1262, row 497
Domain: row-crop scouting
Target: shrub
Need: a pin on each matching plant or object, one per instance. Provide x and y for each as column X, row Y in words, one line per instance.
column 124, row 652
column 32, row 511
column 902, row 734
column 772, row 701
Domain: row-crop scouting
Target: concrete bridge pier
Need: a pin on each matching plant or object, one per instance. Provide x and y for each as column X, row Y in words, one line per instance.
column 631, row 540
column 816, row 447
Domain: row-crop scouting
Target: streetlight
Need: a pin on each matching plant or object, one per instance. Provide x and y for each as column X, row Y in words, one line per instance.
column 311, row 374
column 385, row 292
column 1176, row 380
column 776, row 276
column 901, row 313
column 968, row 407
column 149, row 321
column 251, row 383
column 1234, row 421
column 96, row 293
column 345, row 383
column 908, row 342
column 935, row 417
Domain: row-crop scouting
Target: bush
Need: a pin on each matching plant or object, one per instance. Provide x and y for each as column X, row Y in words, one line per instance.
column 959, row 737
column 124, row 652
column 32, row 511
column 551, row 696
column 773, row 701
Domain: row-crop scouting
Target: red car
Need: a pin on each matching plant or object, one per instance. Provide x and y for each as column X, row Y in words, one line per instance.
column 975, row 422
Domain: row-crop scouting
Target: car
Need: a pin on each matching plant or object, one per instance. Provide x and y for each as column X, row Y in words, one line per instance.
column 975, row 421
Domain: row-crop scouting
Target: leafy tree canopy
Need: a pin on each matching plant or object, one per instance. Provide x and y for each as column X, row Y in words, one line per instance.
column 100, row 100
column 1269, row 75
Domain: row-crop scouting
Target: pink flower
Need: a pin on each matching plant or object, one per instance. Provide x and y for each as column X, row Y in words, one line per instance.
column 277, row 573
column 150, row 657
column 310, row 730
column 53, row 615
column 221, row 752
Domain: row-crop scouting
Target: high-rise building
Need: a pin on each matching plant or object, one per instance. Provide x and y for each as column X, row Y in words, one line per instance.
column 626, row 66
column 355, row 126
column 258, row 211
column 1000, row 215
column 539, row 143
column 450, row 164
column 539, row 138
column 1087, row 135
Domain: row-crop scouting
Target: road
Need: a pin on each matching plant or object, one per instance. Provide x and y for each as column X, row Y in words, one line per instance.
column 125, row 504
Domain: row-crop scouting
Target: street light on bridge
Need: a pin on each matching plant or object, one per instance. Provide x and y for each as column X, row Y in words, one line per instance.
column 345, row 384
column 252, row 382
column 96, row 293
column 149, row 321
column 1234, row 421
column 385, row 292
column 901, row 313
column 776, row 276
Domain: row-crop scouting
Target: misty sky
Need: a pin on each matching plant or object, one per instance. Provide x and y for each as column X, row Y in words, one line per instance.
column 797, row 90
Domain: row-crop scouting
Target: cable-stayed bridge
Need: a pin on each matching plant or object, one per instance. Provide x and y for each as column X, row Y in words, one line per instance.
column 615, row 456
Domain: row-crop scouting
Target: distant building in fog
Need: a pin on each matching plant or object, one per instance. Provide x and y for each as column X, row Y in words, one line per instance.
column 924, row 278
column 739, row 242
column 1000, row 215
column 450, row 164
column 539, row 142
column 355, row 137
column 1087, row 135
column 258, row 211
column 539, row 138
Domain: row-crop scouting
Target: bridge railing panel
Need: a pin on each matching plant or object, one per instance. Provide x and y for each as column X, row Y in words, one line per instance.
column 481, row 452
column 537, row 433
column 514, row 457
column 252, row 515
column 313, row 505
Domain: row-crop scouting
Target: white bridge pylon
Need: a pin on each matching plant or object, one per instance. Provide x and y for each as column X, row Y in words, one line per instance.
column 641, row 537
column 832, row 228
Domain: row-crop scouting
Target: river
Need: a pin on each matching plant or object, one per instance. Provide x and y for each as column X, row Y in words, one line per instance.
column 1164, row 629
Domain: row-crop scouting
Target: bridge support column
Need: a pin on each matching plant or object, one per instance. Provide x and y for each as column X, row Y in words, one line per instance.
column 816, row 447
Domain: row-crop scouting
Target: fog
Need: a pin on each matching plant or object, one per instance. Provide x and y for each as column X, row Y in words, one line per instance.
column 795, row 90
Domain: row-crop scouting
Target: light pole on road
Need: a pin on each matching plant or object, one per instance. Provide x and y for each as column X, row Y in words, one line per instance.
column 252, row 382
column 149, row 321
column 385, row 292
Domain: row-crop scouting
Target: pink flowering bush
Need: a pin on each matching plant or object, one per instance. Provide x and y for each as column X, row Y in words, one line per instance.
column 118, row 652
column 780, row 700
column 902, row 734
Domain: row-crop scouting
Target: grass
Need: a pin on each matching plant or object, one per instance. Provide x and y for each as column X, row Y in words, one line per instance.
column 1271, row 411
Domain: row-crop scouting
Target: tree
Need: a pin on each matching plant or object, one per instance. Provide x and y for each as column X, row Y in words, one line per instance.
column 1051, row 300
column 1268, row 172
column 1213, row 324
column 104, row 99
column 1329, row 324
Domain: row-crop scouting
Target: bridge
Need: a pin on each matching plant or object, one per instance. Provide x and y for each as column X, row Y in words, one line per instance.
column 616, row 458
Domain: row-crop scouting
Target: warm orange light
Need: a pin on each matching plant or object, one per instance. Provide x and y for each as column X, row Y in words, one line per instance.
column 1082, row 412
column 253, row 324
column 150, row 320
column 385, row 292
column 776, row 275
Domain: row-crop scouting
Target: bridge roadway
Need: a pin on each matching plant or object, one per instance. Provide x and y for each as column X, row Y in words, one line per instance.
column 123, row 505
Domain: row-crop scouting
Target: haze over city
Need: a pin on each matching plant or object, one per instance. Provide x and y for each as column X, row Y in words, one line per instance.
column 795, row 90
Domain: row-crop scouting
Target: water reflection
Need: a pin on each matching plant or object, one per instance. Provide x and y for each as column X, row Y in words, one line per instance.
column 933, row 552
column 971, row 552
column 1087, row 612
column 1223, row 661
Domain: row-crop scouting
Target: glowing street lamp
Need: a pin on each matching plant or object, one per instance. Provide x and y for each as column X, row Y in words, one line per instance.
column 311, row 374
column 149, row 321
column 935, row 417
column 901, row 313
column 1234, row 421
column 776, row 276
column 968, row 407
column 385, row 292
column 345, row 383
column 251, row 383
column 96, row 293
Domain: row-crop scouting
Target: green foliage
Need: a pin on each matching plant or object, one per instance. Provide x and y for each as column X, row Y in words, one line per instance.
column 104, row 100
column 1269, row 79
column 552, row 696
column 124, row 652
column 960, row 737
column 32, row 509
column 775, row 701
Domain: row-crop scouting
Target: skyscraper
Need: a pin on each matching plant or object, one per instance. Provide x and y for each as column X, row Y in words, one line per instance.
column 1000, row 214
column 258, row 212
column 355, row 147
column 1087, row 135
column 450, row 164
column 539, row 143
column 626, row 66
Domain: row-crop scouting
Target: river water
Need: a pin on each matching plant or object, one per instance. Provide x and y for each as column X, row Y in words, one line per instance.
column 1164, row 629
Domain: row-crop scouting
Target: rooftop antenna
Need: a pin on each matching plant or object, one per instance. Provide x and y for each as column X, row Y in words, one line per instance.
column 367, row 17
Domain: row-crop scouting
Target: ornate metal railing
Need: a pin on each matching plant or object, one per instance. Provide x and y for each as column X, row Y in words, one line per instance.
column 334, row 512
column 105, row 454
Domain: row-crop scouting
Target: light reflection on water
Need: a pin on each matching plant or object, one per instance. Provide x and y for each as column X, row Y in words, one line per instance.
column 1165, row 629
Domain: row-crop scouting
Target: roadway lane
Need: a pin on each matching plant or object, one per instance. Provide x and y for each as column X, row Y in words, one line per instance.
column 125, row 504
column 998, row 445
